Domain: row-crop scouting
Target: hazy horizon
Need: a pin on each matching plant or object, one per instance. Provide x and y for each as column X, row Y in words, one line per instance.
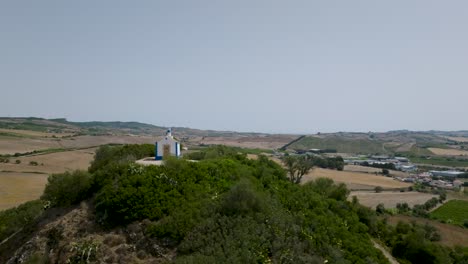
column 299, row 67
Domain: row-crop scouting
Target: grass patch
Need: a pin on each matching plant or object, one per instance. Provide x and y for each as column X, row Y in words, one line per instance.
column 419, row 151
column 10, row 134
column 440, row 161
column 454, row 211
column 27, row 125
column 359, row 146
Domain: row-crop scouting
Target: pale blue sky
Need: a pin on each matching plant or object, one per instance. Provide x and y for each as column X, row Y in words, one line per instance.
column 265, row 66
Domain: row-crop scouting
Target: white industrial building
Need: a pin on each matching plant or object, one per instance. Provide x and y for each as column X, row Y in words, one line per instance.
column 446, row 173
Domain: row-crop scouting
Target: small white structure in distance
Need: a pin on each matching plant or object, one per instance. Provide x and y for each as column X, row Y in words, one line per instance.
column 168, row 146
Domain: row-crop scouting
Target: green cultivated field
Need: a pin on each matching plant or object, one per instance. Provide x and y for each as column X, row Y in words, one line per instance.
column 455, row 211
column 441, row 161
column 342, row 145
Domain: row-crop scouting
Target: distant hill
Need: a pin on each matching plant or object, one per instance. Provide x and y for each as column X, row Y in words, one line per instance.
column 401, row 142
column 62, row 125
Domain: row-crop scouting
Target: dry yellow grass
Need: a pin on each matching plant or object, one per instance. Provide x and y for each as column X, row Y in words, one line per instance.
column 357, row 168
column 358, row 178
column 449, row 152
column 390, row 199
column 17, row 188
column 91, row 141
column 53, row 162
column 459, row 139
column 20, row 183
column 10, row 145
column 34, row 133
column 270, row 142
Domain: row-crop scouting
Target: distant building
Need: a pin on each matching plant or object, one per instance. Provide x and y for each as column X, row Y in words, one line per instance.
column 166, row 147
column 446, row 173
column 457, row 183
column 407, row 167
column 402, row 159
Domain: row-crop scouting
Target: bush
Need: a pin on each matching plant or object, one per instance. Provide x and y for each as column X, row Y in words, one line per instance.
column 106, row 155
column 12, row 220
column 33, row 163
column 380, row 209
column 378, row 189
column 67, row 188
column 18, row 161
column 242, row 200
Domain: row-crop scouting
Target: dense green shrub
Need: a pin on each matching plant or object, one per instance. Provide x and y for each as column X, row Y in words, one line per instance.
column 12, row 220
column 67, row 188
column 106, row 155
column 227, row 208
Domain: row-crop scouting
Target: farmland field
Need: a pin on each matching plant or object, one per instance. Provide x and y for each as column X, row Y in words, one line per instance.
column 449, row 152
column 358, row 145
column 390, row 199
column 23, row 182
column 441, row 161
column 364, row 169
column 450, row 235
column 455, row 211
column 270, row 142
column 355, row 178
column 52, row 162
column 459, row 139
column 17, row 188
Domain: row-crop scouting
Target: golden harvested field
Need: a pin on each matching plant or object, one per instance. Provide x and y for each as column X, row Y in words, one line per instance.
column 359, row 178
column 451, row 235
column 390, row 199
column 17, row 188
column 12, row 145
column 53, row 163
column 357, row 168
column 270, row 142
column 448, row 152
column 459, row 139
column 91, row 141
column 22, row 182
column 31, row 133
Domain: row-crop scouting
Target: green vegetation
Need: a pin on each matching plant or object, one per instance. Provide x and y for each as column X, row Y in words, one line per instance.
column 28, row 125
column 12, row 220
column 342, row 145
column 416, row 150
column 67, row 188
column 210, row 152
column 228, row 208
column 454, row 211
column 111, row 155
column 441, row 161
column 415, row 244
column 10, row 134
column 297, row 167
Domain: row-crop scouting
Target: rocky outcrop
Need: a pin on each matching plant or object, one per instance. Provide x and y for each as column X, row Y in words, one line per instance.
column 74, row 237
